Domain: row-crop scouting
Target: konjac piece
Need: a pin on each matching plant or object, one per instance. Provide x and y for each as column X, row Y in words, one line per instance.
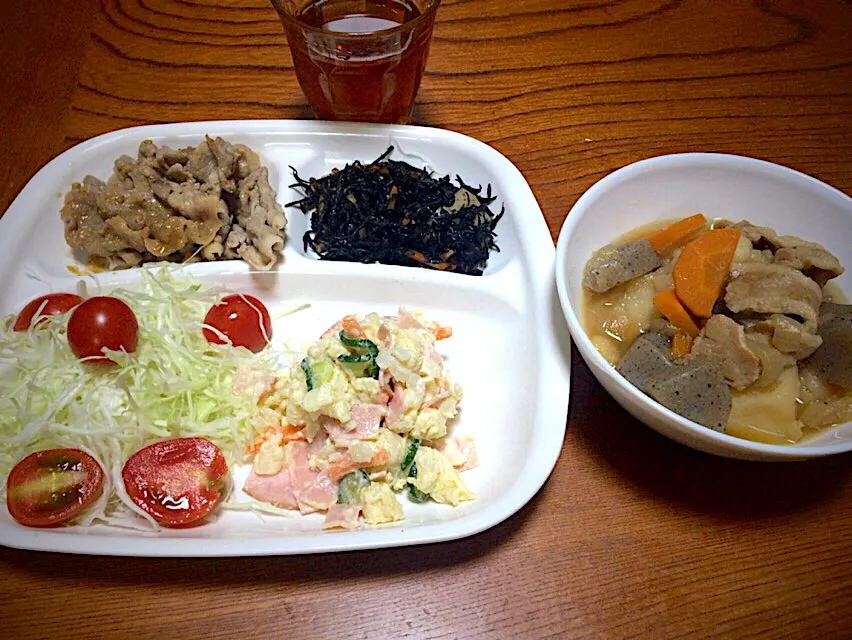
column 613, row 265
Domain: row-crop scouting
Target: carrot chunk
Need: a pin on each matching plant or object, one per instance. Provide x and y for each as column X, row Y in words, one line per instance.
column 681, row 344
column 289, row 433
column 702, row 268
column 666, row 240
column 441, row 333
column 340, row 468
column 352, row 327
column 667, row 303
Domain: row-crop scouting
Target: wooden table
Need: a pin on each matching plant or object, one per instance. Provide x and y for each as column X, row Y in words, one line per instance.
column 633, row 535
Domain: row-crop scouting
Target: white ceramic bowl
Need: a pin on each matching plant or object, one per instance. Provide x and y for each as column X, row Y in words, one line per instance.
column 716, row 185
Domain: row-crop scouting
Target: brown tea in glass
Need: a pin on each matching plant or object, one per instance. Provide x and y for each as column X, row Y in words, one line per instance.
column 359, row 60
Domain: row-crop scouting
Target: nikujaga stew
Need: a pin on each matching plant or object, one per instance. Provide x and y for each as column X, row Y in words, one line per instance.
column 730, row 325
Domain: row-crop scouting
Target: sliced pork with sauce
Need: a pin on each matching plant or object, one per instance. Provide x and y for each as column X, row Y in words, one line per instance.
column 724, row 341
column 209, row 202
column 774, row 288
column 788, row 335
column 812, row 259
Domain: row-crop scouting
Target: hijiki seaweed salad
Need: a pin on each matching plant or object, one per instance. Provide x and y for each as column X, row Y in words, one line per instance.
column 394, row 213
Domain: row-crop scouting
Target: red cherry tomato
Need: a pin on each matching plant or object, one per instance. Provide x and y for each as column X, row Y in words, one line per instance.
column 50, row 487
column 177, row 482
column 101, row 322
column 243, row 319
column 54, row 304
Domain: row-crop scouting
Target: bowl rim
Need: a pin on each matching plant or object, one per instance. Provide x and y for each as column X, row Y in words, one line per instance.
column 714, row 439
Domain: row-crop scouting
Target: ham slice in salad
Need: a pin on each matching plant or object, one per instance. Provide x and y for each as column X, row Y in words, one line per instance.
column 342, row 516
column 295, row 486
column 275, row 489
column 364, row 424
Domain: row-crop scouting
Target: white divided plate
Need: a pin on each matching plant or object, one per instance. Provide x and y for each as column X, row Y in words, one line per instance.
column 509, row 350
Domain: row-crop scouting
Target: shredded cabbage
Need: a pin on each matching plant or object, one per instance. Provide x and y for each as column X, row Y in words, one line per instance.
column 175, row 384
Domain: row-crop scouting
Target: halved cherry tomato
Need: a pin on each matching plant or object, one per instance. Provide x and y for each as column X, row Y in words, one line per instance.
column 54, row 304
column 50, row 487
column 177, row 482
column 99, row 322
column 243, row 319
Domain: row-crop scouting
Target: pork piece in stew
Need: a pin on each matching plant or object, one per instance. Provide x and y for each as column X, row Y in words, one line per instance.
column 730, row 325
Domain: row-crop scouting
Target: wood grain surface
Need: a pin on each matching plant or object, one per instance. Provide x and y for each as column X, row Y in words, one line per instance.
column 633, row 535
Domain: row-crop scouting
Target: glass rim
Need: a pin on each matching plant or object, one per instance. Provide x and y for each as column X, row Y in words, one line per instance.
column 431, row 8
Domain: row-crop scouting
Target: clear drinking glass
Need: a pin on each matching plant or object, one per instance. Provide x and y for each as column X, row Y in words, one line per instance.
column 359, row 59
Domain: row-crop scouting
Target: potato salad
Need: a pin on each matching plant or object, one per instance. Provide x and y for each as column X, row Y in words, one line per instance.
column 360, row 422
